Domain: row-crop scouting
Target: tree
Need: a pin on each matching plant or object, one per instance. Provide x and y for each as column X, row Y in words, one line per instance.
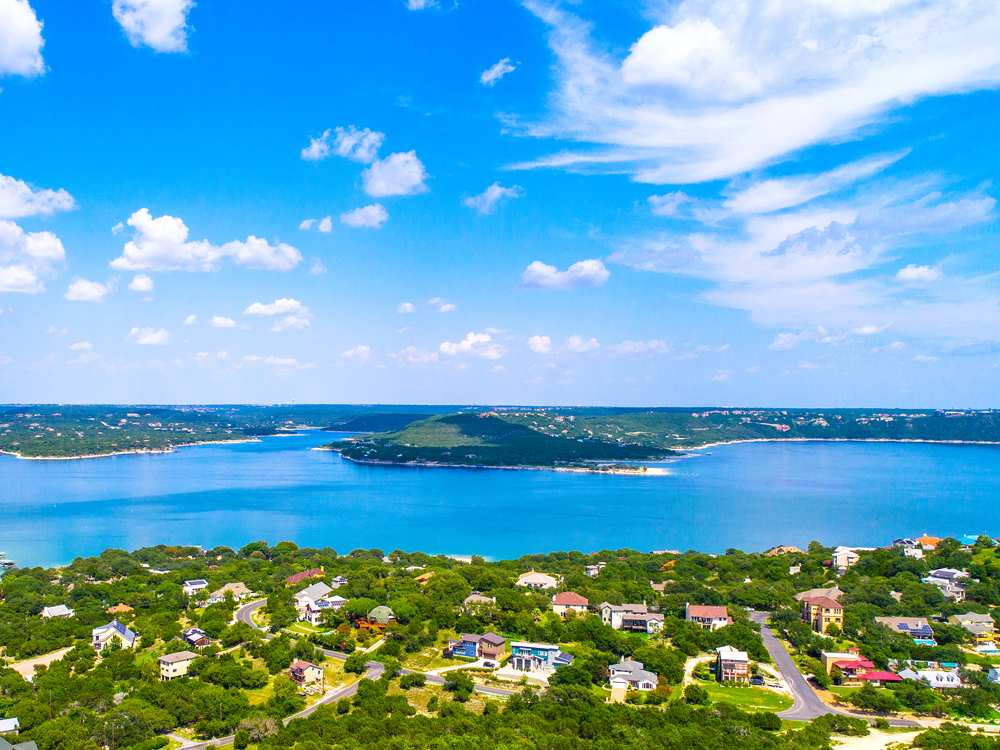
column 241, row 740
column 696, row 695
column 356, row 663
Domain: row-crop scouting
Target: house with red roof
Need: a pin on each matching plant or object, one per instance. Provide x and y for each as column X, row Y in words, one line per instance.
column 569, row 601
column 707, row 617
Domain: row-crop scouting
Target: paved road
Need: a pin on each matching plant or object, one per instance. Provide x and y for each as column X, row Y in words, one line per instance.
column 807, row 704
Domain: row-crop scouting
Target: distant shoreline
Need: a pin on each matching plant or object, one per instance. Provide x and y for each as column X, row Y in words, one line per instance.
column 137, row 452
column 838, row 440
column 654, row 472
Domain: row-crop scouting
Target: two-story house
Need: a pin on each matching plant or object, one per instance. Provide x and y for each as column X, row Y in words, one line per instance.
column 731, row 665
column 238, row 591
column 707, row 617
column 820, row 612
column 631, row 675
column 113, row 631
column 190, row 588
column 175, row 665
column 917, row 628
column 305, row 673
column 472, row 646
column 535, row 657
column 633, row 617
column 568, row 601
column 980, row 627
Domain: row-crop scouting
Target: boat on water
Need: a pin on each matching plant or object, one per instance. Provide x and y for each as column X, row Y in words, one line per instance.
column 8, row 564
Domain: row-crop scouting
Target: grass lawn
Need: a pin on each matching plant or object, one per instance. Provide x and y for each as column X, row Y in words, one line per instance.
column 303, row 628
column 418, row 697
column 748, row 698
column 256, row 697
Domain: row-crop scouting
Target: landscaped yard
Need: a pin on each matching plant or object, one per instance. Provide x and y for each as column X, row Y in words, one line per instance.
column 304, row 628
column 748, row 698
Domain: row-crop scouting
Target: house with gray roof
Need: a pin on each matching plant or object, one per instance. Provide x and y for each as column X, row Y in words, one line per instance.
column 60, row 610
column 113, row 631
column 632, row 675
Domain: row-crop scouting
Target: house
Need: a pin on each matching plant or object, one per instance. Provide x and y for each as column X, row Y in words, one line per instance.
column 594, row 570
column 568, row 601
column 10, row 726
column 533, row 657
column 196, row 637
column 612, row 614
column 311, row 594
column 30, row 745
column 537, row 580
column 476, row 602
column 113, row 631
column 821, row 612
column 338, row 581
column 928, row 542
column 980, row 626
column 305, row 673
column 305, row 575
column 190, row 588
column 731, row 665
column 845, row 557
column 60, row 610
column 949, row 582
column 121, row 609
column 935, row 678
column 423, row 578
column 877, row 678
column 831, row 593
column 783, row 550
column 707, row 617
column 381, row 616
column 631, row 675
column 917, row 628
column 642, row 622
column 658, row 587
column 915, row 552
column 176, row 665
column 239, row 591
column 472, row 646
column 830, row 658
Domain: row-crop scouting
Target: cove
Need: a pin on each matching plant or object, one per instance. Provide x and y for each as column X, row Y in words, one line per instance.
column 749, row 496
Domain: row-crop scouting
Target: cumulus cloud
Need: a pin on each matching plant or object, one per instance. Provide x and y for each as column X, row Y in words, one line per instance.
column 19, row 199
column 81, row 346
column 721, row 375
column 190, row 320
column 20, row 40
column 161, row 244
column 474, row 344
column 915, row 273
column 441, row 304
column 669, row 204
column 220, row 322
column 372, row 216
column 540, row 344
column 358, row 145
column 397, row 174
column 715, row 89
column 870, row 330
column 406, row 307
column 82, row 290
column 26, row 258
column 325, row 225
column 159, row 24
column 413, row 355
column 317, row 150
column 141, row 283
column 586, row 273
column 296, row 315
column 447, row 307
column 318, row 269
column 486, row 202
column 578, row 345
column 360, row 353
column 150, row 336
column 495, row 72
column 629, row 348
column 421, row 4
column 307, row 224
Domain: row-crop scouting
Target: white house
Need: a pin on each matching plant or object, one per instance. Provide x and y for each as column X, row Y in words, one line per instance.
column 707, row 617
column 239, row 591
column 190, row 588
column 537, row 580
column 60, row 610
column 594, row 570
column 568, row 601
column 9, row 726
column 114, row 630
column 631, row 674
column 936, row 679
column 312, row 594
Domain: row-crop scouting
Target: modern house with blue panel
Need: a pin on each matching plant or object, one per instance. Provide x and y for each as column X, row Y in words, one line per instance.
column 472, row 646
column 916, row 627
column 531, row 657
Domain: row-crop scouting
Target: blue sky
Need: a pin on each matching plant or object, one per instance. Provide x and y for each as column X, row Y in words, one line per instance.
column 669, row 203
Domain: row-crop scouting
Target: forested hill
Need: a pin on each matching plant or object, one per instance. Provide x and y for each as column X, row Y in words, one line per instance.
column 547, row 437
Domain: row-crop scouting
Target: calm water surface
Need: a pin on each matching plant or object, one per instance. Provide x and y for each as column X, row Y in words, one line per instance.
column 749, row 496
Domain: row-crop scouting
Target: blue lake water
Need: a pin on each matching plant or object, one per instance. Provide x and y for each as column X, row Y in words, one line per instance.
column 750, row 496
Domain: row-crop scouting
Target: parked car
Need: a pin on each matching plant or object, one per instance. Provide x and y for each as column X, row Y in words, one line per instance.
column 757, row 680
column 489, row 664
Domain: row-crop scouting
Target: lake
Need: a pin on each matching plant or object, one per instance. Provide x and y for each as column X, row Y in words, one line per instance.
column 751, row 496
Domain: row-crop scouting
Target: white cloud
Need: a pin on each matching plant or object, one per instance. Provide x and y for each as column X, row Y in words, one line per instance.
column 406, row 307
column 161, row 244
column 721, row 375
column 915, row 273
column 278, row 307
column 495, row 72
column 85, row 358
column 20, row 40
column 141, row 283
column 307, row 224
column 421, row 4
column 57, row 332
column 703, row 349
column 413, row 355
column 358, row 145
column 895, row 346
column 633, row 348
column 870, row 330
column 397, row 174
column 317, row 150
column 252, row 358
column 325, row 225
column 82, row 290
column 807, row 365
column 577, row 344
column 669, row 204
column 25, row 258
column 318, row 268
column 540, row 344
column 160, row 24
column 497, row 368
column 586, row 273
column 785, row 341
column 360, row 353
column 486, row 202
column 81, row 346
column 447, row 307
column 290, row 321
column 150, row 336
column 372, row 216
column 190, row 320
column 925, row 358
column 474, row 344
column 17, row 198
column 288, row 362
column 220, row 322
column 718, row 87
column 118, row 228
